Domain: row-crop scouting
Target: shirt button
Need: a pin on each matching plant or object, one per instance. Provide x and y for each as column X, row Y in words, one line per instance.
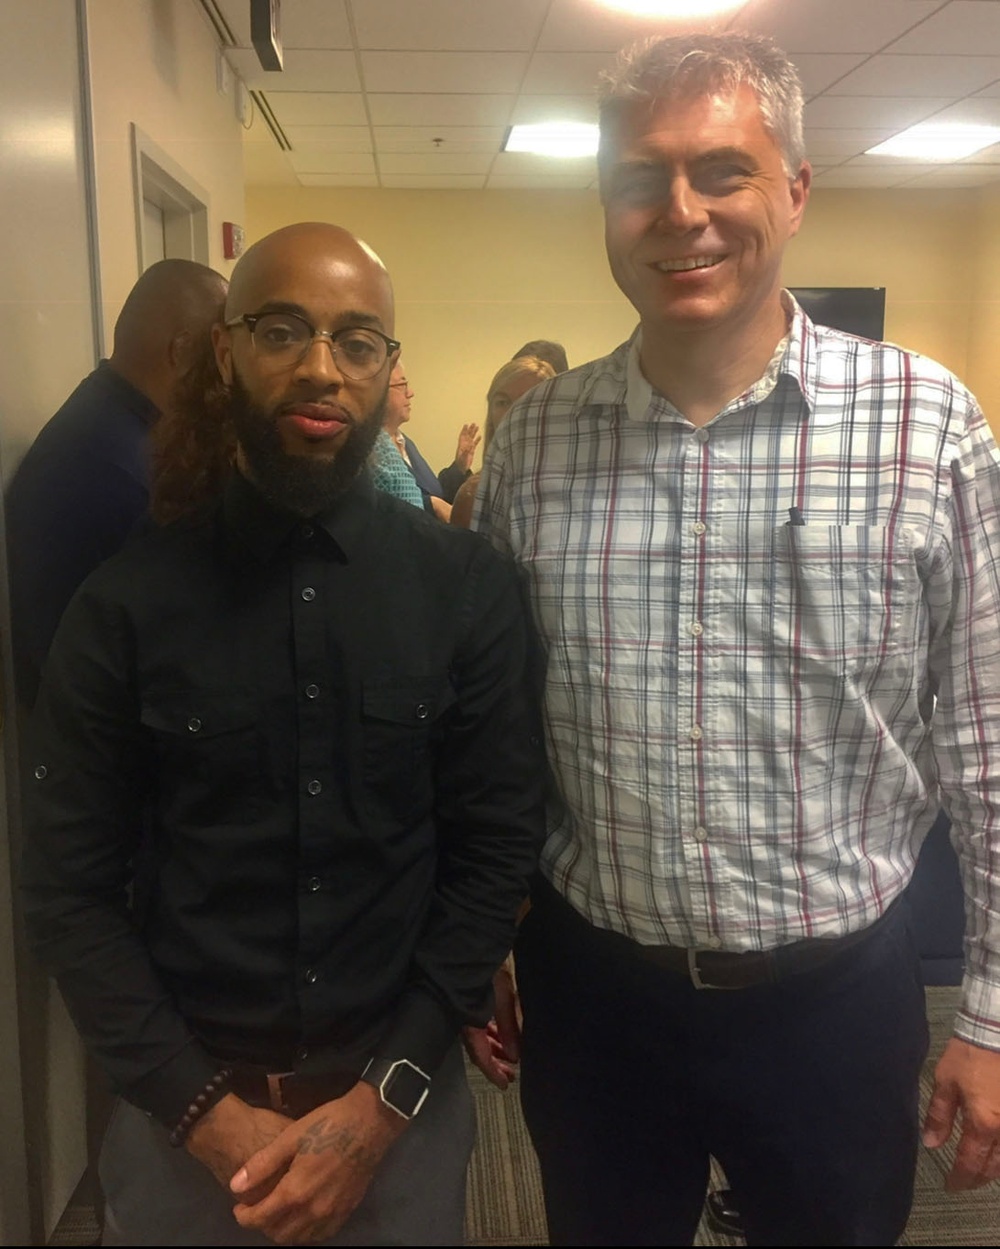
column 308, row 594
column 701, row 435
column 194, row 725
column 714, row 943
column 315, row 787
column 41, row 772
column 700, row 834
column 312, row 691
column 696, row 733
column 307, row 531
column 698, row 528
column 697, row 629
column 311, row 976
column 314, row 884
column 302, row 1054
column 422, row 711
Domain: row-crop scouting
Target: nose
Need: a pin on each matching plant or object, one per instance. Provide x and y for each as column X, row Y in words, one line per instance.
column 319, row 364
column 683, row 208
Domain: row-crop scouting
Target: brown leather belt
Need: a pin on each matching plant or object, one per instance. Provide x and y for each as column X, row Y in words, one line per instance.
column 288, row 1092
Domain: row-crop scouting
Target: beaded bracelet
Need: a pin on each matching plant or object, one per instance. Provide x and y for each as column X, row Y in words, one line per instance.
column 206, row 1099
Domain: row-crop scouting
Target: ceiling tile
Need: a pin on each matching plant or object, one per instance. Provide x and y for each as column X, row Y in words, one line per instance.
column 468, row 182
column 545, row 166
column 847, row 111
column 315, row 24
column 952, row 76
column 564, row 73
column 532, row 108
column 964, row 28
column 319, row 159
column 304, row 71
column 829, row 145
column 453, row 138
column 575, row 26
column 537, row 182
column 852, row 176
column 842, row 26
column 337, row 179
column 333, row 138
column 443, row 72
column 317, row 108
column 403, row 109
column 449, row 25
column 958, row 176
column 820, row 70
column 435, row 162
column 977, row 111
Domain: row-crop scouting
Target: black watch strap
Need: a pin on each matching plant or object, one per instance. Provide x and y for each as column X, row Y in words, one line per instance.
column 402, row 1085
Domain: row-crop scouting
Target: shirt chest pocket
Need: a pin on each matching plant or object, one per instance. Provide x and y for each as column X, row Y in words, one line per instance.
column 845, row 597
column 210, row 756
column 399, row 720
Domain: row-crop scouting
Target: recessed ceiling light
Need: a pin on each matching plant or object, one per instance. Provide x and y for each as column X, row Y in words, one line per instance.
column 553, row 138
column 937, row 141
column 671, row 8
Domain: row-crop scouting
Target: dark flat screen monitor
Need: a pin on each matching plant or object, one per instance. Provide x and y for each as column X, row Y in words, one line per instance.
column 854, row 309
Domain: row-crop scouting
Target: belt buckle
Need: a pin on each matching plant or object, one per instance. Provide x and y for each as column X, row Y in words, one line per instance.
column 275, row 1090
column 693, row 972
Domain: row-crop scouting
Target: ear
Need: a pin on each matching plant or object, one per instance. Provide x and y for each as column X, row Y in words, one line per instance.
column 179, row 351
column 222, row 343
column 800, row 186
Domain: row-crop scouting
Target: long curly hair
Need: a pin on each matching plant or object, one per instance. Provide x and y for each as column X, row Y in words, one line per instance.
column 193, row 443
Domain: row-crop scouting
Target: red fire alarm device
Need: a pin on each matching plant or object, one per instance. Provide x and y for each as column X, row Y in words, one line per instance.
column 232, row 240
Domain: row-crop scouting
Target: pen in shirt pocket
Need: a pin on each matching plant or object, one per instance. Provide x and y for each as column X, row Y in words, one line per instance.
column 795, row 517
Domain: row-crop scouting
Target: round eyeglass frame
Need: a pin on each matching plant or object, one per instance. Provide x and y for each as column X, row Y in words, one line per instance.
column 250, row 319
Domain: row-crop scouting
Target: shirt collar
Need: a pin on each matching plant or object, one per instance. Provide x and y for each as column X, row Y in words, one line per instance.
column 261, row 526
column 794, row 357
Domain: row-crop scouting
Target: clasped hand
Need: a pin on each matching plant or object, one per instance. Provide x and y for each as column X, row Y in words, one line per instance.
column 306, row 1178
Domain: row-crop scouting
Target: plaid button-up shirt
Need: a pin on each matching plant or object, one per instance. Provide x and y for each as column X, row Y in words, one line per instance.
column 770, row 641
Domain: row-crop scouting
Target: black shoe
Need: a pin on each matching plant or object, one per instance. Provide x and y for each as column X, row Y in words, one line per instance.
column 722, row 1214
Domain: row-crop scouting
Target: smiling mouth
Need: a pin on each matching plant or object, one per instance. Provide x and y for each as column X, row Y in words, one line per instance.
column 687, row 263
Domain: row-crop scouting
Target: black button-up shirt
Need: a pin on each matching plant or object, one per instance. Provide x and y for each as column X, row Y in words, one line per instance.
column 327, row 731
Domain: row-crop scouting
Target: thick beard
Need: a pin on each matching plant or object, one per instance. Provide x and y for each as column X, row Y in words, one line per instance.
column 301, row 483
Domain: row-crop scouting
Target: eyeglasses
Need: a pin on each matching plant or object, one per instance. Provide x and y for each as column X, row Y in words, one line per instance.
column 284, row 338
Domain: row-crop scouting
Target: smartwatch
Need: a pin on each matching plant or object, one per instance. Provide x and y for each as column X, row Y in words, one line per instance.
column 402, row 1085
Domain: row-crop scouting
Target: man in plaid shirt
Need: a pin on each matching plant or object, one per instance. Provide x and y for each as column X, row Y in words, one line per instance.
column 763, row 556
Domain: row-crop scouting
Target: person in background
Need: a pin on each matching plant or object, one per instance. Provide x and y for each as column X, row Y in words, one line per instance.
column 764, row 560
column 511, row 381
column 545, row 349
column 460, row 469
column 81, row 489
column 84, row 482
column 298, row 692
column 397, row 413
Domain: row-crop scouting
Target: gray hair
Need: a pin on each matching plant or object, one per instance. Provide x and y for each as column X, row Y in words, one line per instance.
column 688, row 65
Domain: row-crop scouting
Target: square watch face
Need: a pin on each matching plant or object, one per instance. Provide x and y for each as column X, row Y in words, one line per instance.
column 405, row 1088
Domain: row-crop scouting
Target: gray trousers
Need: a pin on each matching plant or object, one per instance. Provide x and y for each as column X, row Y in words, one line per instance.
column 158, row 1195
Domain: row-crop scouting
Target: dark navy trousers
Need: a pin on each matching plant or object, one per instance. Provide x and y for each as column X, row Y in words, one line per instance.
column 805, row 1090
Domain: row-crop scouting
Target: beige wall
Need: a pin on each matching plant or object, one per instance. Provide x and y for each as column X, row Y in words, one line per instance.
column 152, row 62
column 984, row 336
column 478, row 273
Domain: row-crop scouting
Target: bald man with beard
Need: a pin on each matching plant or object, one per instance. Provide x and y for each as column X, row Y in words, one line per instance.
column 84, row 482
column 303, row 689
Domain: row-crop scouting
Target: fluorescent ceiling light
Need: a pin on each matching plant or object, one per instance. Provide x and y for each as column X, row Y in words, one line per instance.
column 671, row 8
column 938, row 141
column 553, row 138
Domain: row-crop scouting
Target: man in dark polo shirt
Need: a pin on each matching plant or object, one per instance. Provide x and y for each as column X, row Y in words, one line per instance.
column 84, row 482
column 318, row 699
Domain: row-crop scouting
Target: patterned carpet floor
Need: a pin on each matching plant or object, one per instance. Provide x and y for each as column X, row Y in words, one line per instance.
column 505, row 1201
